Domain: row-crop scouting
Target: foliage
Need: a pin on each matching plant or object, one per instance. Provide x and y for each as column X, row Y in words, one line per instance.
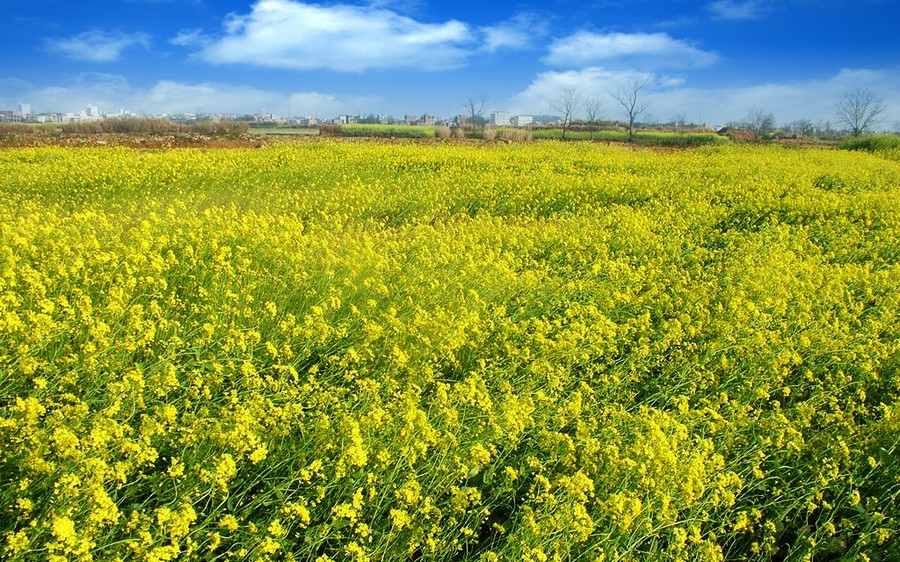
column 149, row 126
column 380, row 130
column 644, row 138
column 351, row 351
column 873, row 143
column 886, row 146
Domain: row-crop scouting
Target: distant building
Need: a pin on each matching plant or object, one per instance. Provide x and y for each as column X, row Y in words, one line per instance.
column 24, row 109
column 500, row 118
column 522, row 120
column 92, row 112
column 427, row 120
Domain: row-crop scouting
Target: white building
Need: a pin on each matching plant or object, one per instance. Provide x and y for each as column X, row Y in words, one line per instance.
column 522, row 120
column 24, row 109
column 500, row 118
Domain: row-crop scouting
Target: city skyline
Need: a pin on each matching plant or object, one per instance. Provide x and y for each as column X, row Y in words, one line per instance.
column 710, row 62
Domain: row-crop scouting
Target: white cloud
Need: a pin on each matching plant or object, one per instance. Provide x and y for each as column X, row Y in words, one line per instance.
column 190, row 38
column 97, row 45
column 670, row 95
column 112, row 92
column 647, row 50
column 517, row 33
column 590, row 82
column 737, row 10
column 787, row 101
column 296, row 35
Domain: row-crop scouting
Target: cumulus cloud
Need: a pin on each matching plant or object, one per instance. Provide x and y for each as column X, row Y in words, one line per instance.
column 112, row 92
column 648, row 50
column 228, row 98
column 517, row 33
column 591, row 82
column 736, row 10
column 296, row 35
column 97, row 45
column 788, row 101
column 190, row 38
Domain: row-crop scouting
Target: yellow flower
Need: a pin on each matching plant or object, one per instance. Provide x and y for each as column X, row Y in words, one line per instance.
column 17, row 542
column 25, row 505
column 229, row 523
column 276, row 529
column 63, row 529
column 269, row 545
column 400, row 518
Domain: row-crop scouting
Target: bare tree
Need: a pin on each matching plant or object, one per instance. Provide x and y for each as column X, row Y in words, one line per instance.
column 759, row 122
column 475, row 109
column 567, row 104
column 803, row 127
column 859, row 110
column 593, row 107
column 629, row 98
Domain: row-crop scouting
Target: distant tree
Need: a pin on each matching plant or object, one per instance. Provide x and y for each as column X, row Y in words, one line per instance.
column 567, row 103
column 802, row 127
column 824, row 128
column 860, row 110
column 475, row 105
column 759, row 123
column 679, row 121
column 593, row 108
column 629, row 98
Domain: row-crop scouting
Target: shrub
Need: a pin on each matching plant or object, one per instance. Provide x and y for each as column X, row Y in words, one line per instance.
column 873, row 143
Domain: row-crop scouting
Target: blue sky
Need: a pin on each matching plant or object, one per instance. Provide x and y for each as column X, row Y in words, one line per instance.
column 711, row 61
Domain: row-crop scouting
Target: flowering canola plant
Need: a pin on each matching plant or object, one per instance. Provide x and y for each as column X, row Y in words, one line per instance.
column 334, row 351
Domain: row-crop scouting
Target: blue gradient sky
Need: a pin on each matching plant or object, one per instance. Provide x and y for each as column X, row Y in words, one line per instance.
column 711, row 61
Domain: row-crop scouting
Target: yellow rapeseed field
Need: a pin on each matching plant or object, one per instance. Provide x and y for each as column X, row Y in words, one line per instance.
column 335, row 351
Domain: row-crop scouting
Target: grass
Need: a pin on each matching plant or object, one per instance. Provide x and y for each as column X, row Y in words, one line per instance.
column 872, row 143
column 644, row 138
column 378, row 130
column 286, row 131
column 887, row 146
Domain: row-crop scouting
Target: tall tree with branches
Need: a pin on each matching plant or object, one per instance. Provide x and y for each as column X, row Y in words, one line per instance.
column 860, row 110
column 593, row 108
column 567, row 103
column 474, row 106
column 760, row 123
column 629, row 98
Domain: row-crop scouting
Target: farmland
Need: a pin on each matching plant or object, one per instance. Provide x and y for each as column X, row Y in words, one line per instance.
column 421, row 351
